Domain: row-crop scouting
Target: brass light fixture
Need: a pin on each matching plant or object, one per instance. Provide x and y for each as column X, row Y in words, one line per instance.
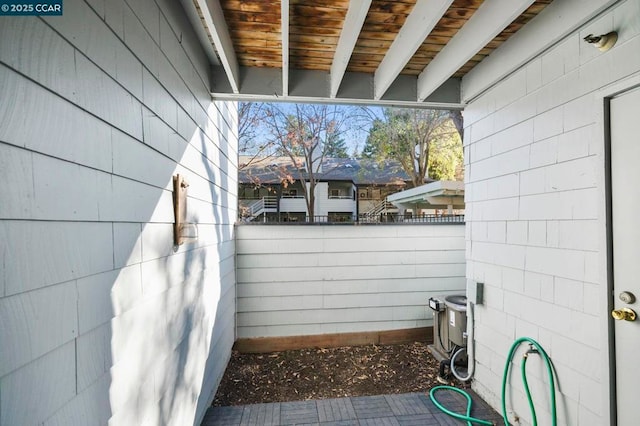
column 182, row 231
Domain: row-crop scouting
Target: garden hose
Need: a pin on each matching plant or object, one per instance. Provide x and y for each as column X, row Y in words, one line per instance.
column 535, row 348
column 467, row 417
column 525, row 383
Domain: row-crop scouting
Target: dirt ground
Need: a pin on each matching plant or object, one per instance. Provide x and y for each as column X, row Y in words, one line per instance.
column 328, row 373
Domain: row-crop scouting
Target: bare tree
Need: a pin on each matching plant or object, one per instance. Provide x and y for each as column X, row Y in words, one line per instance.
column 301, row 132
column 250, row 115
column 251, row 143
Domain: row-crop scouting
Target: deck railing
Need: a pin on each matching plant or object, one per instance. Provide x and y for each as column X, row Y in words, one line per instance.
column 268, row 203
column 339, row 219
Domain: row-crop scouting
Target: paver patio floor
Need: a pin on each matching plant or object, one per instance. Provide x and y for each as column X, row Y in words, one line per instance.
column 405, row 409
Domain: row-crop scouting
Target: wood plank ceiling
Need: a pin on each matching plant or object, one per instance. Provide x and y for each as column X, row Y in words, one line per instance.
column 316, row 63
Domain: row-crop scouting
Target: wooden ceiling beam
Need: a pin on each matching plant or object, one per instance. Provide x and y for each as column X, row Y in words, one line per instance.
column 284, row 30
column 422, row 19
column 216, row 26
column 488, row 21
column 356, row 14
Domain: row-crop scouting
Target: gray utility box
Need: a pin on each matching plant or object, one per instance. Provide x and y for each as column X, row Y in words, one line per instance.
column 457, row 318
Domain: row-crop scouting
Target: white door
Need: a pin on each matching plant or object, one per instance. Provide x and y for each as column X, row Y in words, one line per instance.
column 625, row 197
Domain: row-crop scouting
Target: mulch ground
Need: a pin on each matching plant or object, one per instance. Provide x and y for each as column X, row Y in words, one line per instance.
column 328, row 373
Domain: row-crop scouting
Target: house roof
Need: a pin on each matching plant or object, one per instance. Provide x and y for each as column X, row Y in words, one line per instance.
column 436, row 194
column 272, row 170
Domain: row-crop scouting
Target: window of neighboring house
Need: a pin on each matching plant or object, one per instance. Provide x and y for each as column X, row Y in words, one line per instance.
column 248, row 193
column 289, row 193
column 340, row 217
column 342, row 193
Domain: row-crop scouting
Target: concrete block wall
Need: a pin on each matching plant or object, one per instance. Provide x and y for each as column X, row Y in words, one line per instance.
column 102, row 320
column 534, row 155
column 309, row 280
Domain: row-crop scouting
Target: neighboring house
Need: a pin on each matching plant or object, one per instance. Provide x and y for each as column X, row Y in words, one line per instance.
column 270, row 189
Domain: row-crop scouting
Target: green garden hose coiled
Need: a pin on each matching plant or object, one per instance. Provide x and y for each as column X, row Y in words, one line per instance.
column 470, row 420
column 535, row 348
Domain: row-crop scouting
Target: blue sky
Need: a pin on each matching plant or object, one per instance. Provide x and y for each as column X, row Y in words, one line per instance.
column 354, row 136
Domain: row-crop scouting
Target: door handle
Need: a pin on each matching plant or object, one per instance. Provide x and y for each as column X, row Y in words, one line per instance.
column 624, row 314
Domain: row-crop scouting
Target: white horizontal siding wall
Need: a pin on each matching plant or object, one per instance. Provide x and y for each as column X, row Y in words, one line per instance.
column 335, row 205
column 308, row 280
column 293, row 205
column 534, row 197
column 101, row 320
column 322, row 198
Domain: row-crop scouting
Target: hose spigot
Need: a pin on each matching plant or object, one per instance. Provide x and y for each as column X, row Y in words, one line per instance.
column 532, row 350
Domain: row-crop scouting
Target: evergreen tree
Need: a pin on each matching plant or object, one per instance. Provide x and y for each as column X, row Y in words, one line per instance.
column 374, row 140
column 335, row 146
